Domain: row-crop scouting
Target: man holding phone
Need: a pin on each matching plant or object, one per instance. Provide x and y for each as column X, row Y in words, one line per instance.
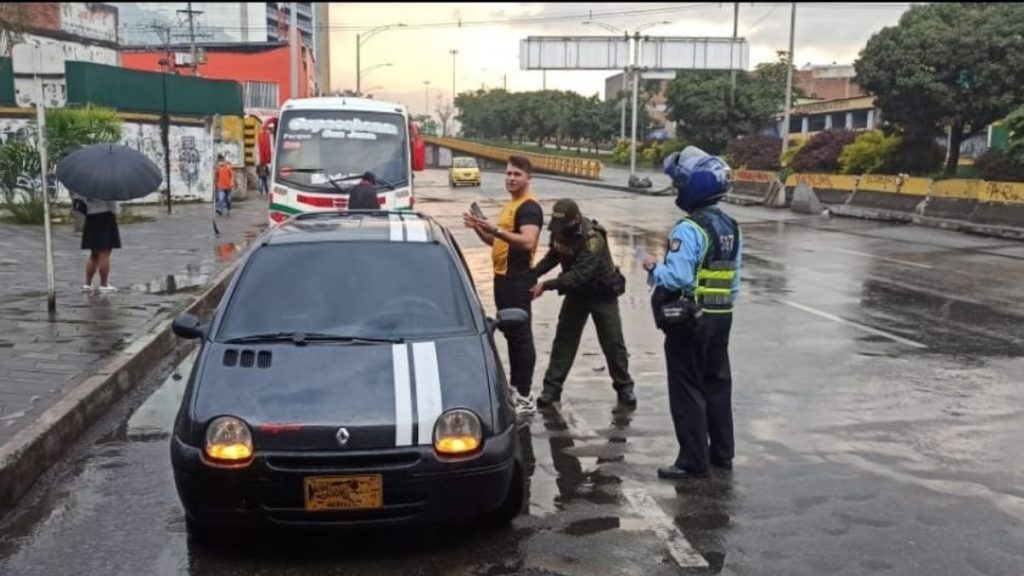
column 513, row 240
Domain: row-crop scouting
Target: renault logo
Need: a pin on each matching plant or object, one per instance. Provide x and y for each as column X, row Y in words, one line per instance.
column 342, row 436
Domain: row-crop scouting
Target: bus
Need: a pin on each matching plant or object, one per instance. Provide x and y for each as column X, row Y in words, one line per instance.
column 324, row 147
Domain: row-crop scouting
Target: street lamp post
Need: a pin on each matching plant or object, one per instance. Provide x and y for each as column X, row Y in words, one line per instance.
column 360, row 40
column 636, row 81
column 426, row 97
column 165, row 128
column 366, row 72
column 454, row 53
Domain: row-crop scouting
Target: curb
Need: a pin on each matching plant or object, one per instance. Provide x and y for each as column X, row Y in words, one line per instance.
column 1007, row 232
column 27, row 456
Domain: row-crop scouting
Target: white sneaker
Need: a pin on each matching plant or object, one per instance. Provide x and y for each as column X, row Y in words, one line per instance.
column 107, row 289
column 525, row 405
column 86, row 287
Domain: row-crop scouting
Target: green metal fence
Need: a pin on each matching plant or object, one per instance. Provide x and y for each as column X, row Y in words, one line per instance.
column 6, row 81
column 138, row 91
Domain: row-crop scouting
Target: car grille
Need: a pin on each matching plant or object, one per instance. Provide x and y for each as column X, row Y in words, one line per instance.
column 342, row 462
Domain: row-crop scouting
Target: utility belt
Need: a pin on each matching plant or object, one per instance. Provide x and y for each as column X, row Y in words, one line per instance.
column 673, row 309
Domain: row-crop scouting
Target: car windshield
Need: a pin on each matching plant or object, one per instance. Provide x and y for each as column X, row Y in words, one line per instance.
column 354, row 289
column 315, row 145
column 464, row 163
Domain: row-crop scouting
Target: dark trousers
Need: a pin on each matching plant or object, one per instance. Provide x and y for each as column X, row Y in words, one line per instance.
column 572, row 318
column 514, row 292
column 700, row 391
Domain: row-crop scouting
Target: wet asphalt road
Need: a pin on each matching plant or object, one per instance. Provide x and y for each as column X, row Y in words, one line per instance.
column 877, row 398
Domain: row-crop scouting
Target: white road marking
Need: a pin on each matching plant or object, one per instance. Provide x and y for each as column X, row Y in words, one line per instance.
column 644, row 505
column 876, row 257
column 861, row 327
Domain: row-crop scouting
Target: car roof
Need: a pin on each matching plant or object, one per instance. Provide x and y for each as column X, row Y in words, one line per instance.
column 365, row 226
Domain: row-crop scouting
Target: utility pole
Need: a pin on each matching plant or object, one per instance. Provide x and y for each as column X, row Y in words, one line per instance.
column 454, row 53
column 789, row 81
column 192, row 36
column 51, row 298
column 636, row 97
column 294, row 35
column 735, row 31
column 426, row 97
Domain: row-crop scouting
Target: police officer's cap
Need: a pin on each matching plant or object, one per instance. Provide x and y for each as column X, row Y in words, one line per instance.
column 564, row 212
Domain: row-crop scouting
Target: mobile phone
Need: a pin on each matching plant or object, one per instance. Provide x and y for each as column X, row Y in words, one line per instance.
column 475, row 209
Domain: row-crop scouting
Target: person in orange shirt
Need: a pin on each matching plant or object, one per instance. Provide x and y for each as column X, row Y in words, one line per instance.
column 225, row 182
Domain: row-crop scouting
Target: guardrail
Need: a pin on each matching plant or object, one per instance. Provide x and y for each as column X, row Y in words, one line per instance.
column 542, row 163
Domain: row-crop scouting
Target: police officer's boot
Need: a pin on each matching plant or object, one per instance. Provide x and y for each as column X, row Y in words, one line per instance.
column 627, row 396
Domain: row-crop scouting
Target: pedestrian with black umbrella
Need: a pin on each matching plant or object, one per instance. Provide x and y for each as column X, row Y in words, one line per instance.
column 101, row 175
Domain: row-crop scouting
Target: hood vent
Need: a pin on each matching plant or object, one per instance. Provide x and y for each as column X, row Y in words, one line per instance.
column 247, row 358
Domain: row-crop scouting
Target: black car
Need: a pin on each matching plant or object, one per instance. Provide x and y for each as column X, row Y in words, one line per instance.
column 349, row 377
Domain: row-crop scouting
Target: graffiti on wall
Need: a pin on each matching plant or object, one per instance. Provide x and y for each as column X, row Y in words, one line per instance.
column 12, row 129
column 54, row 86
column 89, row 20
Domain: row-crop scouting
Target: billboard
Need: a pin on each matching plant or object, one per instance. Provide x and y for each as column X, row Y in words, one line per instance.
column 665, row 53
column 574, row 53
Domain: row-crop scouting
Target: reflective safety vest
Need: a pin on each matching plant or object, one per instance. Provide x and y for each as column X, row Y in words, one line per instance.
column 717, row 270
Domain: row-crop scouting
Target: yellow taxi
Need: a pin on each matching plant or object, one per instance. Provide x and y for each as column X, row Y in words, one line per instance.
column 464, row 170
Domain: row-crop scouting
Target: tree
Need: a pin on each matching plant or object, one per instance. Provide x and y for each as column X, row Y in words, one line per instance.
column 701, row 103
column 951, row 66
column 444, row 113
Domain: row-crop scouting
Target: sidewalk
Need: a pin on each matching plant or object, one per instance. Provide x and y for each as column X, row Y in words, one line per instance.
column 164, row 265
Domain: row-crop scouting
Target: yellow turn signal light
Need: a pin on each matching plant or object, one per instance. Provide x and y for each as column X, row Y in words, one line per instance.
column 457, row 433
column 457, row 445
column 228, row 442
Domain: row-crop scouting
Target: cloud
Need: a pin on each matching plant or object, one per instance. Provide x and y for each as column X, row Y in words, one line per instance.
column 488, row 40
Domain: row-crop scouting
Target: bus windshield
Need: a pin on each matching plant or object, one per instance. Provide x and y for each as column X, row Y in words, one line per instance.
column 315, row 146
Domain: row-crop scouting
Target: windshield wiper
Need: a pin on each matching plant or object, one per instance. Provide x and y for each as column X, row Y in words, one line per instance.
column 332, row 181
column 300, row 338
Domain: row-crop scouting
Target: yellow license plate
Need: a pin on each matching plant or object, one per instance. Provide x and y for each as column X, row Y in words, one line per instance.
column 344, row 492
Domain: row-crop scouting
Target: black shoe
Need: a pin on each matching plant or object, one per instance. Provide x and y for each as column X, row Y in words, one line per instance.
column 627, row 397
column 547, row 398
column 673, row 473
column 723, row 464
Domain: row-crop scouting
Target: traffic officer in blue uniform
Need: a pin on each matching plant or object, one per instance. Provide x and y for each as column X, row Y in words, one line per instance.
column 695, row 287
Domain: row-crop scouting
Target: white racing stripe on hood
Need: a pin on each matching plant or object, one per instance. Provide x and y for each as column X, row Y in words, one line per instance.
column 397, row 228
column 416, row 230
column 428, row 389
column 403, row 395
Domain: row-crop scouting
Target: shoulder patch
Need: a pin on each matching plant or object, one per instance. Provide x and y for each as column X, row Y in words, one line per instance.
column 593, row 244
column 676, row 245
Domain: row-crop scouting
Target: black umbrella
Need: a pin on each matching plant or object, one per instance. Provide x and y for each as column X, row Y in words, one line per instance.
column 109, row 172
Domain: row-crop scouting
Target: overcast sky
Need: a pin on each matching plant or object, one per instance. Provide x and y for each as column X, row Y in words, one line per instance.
column 488, row 39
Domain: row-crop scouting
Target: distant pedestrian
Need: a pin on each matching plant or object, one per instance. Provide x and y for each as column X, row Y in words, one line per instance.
column 100, row 236
column 263, row 173
column 225, row 183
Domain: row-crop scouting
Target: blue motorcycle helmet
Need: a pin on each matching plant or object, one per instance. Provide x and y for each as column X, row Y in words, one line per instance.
column 699, row 178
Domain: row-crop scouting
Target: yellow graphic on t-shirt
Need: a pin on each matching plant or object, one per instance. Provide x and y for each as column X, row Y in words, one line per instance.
column 507, row 222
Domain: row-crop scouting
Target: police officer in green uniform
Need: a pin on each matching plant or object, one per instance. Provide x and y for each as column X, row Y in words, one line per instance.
column 591, row 284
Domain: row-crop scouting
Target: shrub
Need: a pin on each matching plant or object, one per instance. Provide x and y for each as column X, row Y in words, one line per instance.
column 871, row 153
column 19, row 182
column 999, row 166
column 821, row 152
column 755, row 152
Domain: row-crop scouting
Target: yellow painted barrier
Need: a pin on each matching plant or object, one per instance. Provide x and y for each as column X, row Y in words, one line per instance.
column 958, row 189
column 547, row 163
column 1001, row 192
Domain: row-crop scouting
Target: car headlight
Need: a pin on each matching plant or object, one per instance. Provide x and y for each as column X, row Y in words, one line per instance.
column 228, row 441
column 457, row 433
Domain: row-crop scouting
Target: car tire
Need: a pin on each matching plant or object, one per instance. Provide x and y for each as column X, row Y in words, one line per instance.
column 514, row 501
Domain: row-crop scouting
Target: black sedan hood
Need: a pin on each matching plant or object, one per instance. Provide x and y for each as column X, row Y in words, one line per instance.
column 383, row 395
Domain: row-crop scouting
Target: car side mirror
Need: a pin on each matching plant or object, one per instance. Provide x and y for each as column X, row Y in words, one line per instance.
column 187, row 326
column 509, row 318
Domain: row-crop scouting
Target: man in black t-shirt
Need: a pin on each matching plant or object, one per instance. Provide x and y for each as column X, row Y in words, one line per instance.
column 514, row 241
